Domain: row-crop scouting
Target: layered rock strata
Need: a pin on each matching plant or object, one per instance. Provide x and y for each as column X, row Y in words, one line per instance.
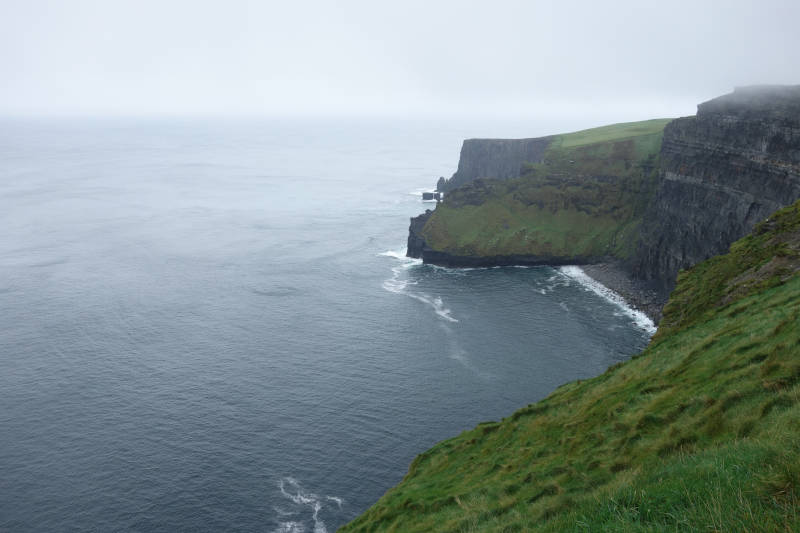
column 722, row 171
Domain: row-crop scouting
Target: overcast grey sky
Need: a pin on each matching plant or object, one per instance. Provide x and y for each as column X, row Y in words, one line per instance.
column 490, row 58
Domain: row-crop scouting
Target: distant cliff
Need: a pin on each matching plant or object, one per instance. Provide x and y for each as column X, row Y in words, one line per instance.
column 721, row 172
column 495, row 159
column 581, row 201
column 578, row 197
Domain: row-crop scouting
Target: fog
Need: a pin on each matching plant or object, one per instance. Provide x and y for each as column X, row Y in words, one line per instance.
column 629, row 59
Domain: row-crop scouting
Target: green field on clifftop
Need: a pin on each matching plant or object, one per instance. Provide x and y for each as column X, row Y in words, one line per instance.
column 700, row 432
column 585, row 198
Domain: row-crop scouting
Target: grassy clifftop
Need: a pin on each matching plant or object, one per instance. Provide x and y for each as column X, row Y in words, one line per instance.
column 585, row 198
column 700, row 432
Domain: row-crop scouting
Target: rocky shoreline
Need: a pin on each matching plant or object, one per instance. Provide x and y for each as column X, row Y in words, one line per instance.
column 635, row 292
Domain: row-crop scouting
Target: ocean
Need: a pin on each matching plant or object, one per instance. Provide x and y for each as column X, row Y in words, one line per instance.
column 210, row 324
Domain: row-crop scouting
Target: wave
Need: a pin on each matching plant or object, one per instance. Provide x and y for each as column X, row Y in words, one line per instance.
column 296, row 494
column 436, row 303
column 401, row 254
column 335, row 499
column 640, row 319
column 400, row 281
column 551, row 283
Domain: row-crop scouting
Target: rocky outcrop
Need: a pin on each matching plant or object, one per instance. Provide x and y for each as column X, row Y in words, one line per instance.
column 722, row 171
column 494, row 159
column 416, row 243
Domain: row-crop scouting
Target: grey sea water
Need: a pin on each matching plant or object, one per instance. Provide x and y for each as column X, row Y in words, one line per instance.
column 210, row 325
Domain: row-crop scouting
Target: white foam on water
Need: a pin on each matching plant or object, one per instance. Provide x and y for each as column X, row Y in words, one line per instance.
column 457, row 353
column 400, row 254
column 399, row 283
column 290, row 527
column 319, row 525
column 335, row 499
column 640, row 319
column 552, row 283
column 292, row 490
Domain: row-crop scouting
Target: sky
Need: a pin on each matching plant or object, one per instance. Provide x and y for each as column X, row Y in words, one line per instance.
column 499, row 58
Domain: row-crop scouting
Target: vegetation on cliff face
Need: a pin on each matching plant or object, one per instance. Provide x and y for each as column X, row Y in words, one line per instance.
column 584, row 199
column 700, row 432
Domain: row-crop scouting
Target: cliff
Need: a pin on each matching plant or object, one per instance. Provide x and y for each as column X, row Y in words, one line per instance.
column 722, row 171
column 416, row 242
column 495, row 159
column 581, row 202
column 700, row 432
column 654, row 199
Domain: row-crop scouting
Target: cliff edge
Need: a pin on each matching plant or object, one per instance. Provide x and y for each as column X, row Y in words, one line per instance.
column 494, row 159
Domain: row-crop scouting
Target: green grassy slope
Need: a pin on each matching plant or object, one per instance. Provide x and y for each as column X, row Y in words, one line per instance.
column 700, row 432
column 585, row 199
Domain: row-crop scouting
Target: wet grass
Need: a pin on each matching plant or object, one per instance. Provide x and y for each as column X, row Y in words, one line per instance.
column 700, row 432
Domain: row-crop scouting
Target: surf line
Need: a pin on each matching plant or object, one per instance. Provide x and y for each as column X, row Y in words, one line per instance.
column 399, row 284
column 640, row 319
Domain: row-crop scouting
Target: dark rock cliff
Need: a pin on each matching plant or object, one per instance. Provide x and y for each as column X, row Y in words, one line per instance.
column 722, row 171
column 415, row 241
column 494, row 159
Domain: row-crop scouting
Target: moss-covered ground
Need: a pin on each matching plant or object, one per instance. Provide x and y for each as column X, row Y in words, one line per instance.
column 700, row 432
column 585, row 198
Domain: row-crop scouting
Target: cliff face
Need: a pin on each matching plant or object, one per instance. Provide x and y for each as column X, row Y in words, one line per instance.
column 416, row 243
column 495, row 159
column 722, row 171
